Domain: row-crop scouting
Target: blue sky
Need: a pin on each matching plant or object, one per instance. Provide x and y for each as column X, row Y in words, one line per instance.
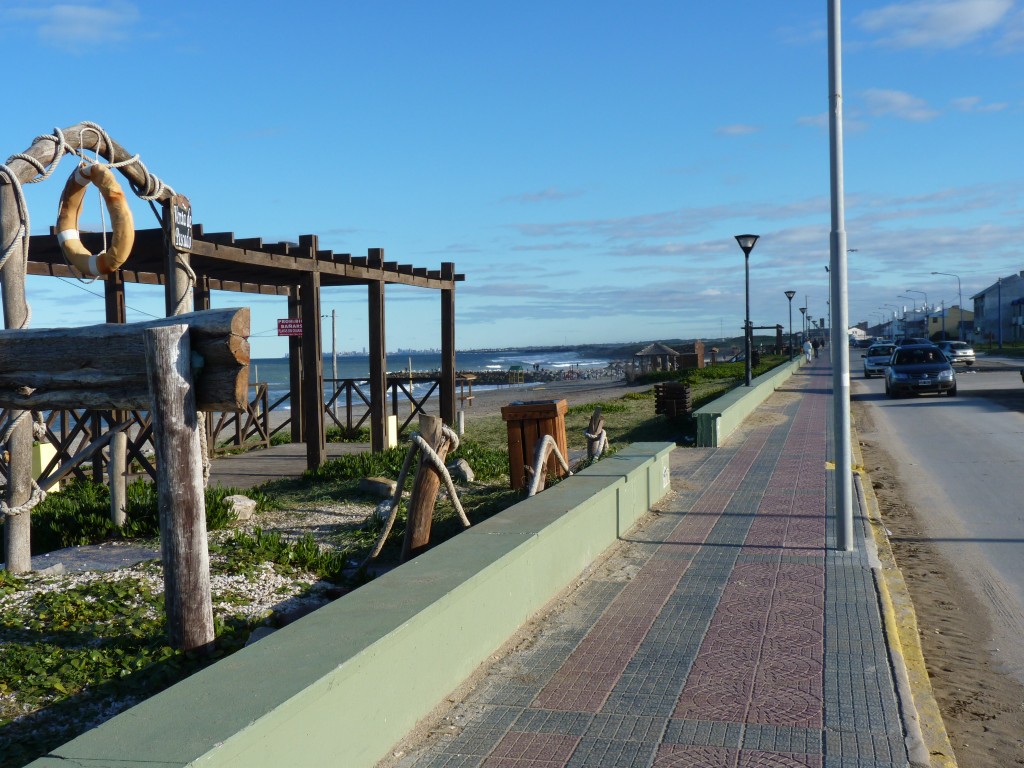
column 585, row 164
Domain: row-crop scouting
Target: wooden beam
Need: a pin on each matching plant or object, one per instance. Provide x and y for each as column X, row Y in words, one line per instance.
column 446, row 397
column 102, row 367
column 378, row 367
column 312, row 366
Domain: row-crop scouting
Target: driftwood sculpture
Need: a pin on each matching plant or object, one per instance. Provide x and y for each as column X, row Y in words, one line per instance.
column 432, row 442
column 36, row 164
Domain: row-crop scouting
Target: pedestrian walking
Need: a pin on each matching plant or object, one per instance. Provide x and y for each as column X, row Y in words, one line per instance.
column 807, row 350
column 816, row 345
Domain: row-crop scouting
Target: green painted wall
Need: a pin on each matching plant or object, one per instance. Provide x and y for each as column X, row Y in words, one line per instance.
column 342, row 685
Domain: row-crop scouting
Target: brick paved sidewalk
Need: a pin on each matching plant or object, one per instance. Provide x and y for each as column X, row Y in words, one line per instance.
column 722, row 632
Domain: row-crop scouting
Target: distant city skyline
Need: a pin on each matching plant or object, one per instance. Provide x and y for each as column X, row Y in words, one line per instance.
column 585, row 165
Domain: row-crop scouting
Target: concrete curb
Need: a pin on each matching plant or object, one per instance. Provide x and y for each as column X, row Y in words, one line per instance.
column 722, row 416
column 927, row 740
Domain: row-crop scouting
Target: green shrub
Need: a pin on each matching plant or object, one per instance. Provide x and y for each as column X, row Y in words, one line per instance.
column 80, row 514
column 357, row 465
column 347, row 435
column 589, row 408
column 281, row 438
column 487, row 463
column 246, row 551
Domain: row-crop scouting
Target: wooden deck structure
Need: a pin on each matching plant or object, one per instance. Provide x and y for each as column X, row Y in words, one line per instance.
column 297, row 273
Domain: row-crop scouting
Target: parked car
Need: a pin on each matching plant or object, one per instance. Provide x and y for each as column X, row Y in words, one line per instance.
column 902, row 341
column 876, row 359
column 917, row 368
column 957, row 352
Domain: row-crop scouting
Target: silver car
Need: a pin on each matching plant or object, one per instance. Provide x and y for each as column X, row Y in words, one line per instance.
column 876, row 359
column 957, row 352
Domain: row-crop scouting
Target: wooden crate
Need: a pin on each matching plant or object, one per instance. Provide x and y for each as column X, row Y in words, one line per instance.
column 672, row 398
column 527, row 422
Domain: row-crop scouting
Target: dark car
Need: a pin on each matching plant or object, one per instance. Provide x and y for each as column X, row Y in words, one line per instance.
column 917, row 368
column 903, row 341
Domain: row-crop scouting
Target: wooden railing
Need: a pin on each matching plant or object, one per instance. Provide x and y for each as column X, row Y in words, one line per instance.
column 72, row 432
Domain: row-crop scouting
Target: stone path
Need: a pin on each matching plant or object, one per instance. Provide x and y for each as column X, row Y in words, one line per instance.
column 722, row 632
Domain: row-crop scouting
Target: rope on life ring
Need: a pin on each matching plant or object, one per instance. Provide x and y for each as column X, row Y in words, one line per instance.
column 121, row 221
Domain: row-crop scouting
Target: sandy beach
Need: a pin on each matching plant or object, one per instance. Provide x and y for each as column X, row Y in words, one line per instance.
column 489, row 401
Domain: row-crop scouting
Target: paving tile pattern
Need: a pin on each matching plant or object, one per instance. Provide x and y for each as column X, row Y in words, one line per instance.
column 722, row 633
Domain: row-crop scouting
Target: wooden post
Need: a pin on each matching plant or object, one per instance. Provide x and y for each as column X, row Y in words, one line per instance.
column 312, row 365
column 178, row 296
column 116, row 312
column 116, row 478
column 180, row 492
column 447, row 394
column 378, row 368
column 424, row 489
column 295, row 367
column 17, row 529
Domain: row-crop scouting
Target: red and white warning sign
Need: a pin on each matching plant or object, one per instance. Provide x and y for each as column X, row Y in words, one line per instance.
column 289, row 326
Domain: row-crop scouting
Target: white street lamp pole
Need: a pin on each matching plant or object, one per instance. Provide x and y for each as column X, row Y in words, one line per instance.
column 960, row 297
column 840, row 296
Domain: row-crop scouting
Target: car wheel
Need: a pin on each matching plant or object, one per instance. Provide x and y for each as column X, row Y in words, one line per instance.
column 969, row 362
column 951, row 392
column 888, row 390
column 867, row 375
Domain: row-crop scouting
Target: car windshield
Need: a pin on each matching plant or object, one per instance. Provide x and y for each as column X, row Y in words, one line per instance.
column 956, row 345
column 880, row 350
column 918, row 356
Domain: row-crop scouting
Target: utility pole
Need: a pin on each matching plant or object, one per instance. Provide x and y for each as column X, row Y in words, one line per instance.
column 839, row 298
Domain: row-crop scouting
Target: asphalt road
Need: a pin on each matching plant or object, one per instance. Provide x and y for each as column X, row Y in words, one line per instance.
column 960, row 461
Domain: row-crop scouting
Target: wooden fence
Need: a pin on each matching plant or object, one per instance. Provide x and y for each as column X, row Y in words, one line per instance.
column 71, row 431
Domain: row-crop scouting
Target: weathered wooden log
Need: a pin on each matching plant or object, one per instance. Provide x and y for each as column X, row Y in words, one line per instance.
column 18, row 490
column 180, row 491
column 424, row 489
column 86, row 138
column 103, row 366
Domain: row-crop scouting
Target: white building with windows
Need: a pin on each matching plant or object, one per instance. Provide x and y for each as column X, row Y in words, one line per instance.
column 999, row 311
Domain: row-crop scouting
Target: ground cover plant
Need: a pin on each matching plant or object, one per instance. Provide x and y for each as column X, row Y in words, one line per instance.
column 79, row 648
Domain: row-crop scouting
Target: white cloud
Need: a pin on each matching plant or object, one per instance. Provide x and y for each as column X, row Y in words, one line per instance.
column 78, row 27
column 737, row 130
column 899, row 104
column 934, row 23
column 545, row 195
column 974, row 104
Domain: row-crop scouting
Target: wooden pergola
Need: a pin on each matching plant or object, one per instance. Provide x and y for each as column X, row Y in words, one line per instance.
column 222, row 262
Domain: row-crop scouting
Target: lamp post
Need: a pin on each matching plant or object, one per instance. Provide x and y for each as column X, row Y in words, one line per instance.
column 746, row 243
column 896, row 315
column 911, row 290
column 790, row 295
column 334, row 358
column 960, row 298
column 999, row 314
column 906, row 326
column 925, row 308
column 803, row 325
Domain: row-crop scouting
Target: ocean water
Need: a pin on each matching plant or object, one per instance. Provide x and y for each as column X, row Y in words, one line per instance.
column 274, row 371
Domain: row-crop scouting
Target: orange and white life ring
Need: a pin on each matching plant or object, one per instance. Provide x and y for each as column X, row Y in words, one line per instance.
column 121, row 221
